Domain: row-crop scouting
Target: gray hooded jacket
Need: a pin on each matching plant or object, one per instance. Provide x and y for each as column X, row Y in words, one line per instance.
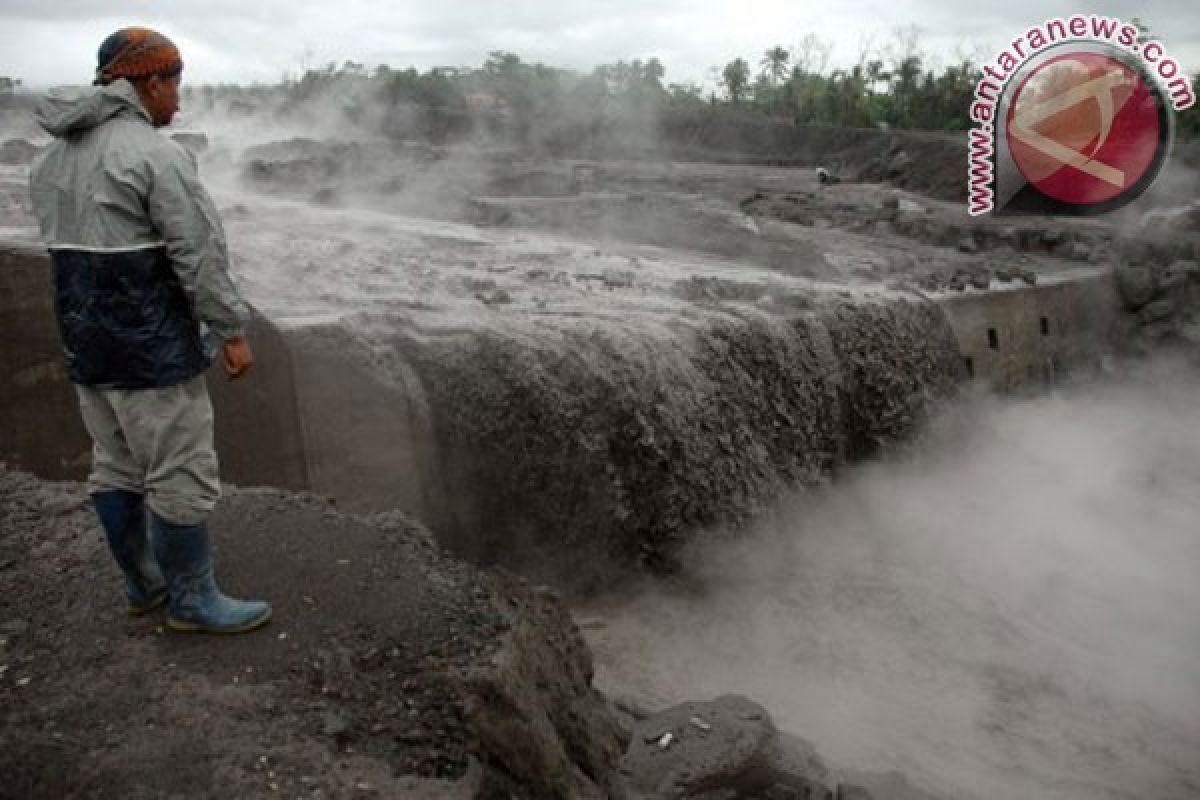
column 139, row 252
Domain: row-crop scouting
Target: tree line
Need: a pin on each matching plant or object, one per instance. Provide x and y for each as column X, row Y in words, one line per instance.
column 898, row 88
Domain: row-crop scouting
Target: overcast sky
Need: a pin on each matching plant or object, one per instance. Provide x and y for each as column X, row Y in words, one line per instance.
column 47, row 42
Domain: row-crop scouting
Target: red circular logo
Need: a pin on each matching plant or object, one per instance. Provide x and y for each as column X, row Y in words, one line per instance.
column 1083, row 128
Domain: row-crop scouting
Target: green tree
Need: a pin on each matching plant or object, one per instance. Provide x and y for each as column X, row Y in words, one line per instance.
column 775, row 65
column 736, row 79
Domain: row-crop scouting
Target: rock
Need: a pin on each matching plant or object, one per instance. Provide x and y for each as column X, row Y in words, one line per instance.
column 967, row 244
column 1158, row 310
column 334, row 724
column 1136, row 285
column 741, row 751
column 826, row 176
column 898, row 164
column 533, row 707
column 716, row 759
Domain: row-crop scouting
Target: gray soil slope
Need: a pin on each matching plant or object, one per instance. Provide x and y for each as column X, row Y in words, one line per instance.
column 388, row 670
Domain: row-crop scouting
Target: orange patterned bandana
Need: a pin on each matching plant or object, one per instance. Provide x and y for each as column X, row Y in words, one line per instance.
column 136, row 53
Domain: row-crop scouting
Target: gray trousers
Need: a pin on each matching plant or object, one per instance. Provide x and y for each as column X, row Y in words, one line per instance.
column 156, row 442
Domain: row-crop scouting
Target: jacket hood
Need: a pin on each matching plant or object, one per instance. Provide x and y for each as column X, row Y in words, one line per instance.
column 74, row 109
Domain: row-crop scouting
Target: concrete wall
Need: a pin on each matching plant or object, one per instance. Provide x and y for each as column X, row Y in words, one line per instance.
column 40, row 429
column 1036, row 335
column 313, row 414
column 258, row 428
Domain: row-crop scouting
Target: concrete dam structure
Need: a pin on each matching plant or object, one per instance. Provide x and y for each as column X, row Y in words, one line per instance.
column 609, row 443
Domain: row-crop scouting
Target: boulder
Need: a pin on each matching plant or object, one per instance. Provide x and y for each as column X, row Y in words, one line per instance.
column 728, row 747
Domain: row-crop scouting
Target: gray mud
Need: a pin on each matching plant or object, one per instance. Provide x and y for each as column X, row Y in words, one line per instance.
column 597, row 447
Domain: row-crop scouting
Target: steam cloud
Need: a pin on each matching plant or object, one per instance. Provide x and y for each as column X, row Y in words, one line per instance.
column 1010, row 609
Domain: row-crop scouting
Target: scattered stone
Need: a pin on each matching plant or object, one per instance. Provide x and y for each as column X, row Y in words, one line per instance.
column 334, row 724
column 967, row 244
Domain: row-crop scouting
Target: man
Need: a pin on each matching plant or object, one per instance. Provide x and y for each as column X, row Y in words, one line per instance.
column 144, row 301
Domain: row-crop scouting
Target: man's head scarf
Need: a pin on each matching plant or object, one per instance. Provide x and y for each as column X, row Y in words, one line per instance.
column 136, row 53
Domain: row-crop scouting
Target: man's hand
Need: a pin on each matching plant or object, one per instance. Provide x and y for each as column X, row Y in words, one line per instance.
column 238, row 357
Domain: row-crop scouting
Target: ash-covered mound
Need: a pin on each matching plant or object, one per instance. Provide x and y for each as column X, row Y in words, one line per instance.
column 387, row 669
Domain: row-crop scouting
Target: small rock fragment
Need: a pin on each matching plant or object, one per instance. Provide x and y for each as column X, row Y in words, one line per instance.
column 334, row 724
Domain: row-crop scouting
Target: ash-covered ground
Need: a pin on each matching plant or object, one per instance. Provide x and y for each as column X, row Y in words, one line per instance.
column 1004, row 610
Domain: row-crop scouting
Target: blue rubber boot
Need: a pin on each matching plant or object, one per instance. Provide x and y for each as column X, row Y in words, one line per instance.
column 123, row 516
column 197, row 605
